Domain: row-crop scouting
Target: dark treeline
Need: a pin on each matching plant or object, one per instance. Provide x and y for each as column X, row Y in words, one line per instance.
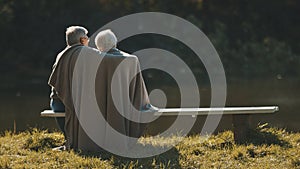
column 255, row 39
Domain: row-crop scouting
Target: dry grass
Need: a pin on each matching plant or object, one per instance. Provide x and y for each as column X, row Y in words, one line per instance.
column 268, row 148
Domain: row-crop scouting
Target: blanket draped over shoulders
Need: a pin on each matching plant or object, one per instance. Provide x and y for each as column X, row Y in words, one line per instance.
column 83, row 76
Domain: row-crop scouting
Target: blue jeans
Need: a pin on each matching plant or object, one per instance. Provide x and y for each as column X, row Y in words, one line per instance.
column 57, row 106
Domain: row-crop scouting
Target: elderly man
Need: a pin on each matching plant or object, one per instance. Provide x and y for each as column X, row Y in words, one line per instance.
column 77, row 40
column 75, row 36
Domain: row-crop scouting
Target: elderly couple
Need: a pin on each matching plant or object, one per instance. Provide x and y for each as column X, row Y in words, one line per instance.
column 111, row 80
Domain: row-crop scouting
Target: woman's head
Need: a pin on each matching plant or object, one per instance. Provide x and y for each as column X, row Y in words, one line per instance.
column 106, row 40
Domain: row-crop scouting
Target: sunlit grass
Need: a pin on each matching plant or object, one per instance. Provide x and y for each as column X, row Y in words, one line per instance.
column 268, row 148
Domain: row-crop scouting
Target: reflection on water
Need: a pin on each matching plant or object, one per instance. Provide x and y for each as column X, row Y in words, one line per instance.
column 23, row 104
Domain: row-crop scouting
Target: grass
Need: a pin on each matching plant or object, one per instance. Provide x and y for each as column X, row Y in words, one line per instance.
column 267, row 148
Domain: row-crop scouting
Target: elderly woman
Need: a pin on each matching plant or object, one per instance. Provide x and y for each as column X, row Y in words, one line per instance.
column 125, row 68
column 106, row 40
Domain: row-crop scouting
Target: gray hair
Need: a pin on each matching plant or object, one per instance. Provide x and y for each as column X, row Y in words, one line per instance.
column 106, row 40
column 74, row 33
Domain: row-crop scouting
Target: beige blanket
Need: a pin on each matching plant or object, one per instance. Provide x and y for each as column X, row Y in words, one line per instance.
column 77, row 94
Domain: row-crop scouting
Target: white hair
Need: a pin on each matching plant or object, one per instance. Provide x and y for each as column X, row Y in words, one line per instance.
column 74, row 33
column 106, row 40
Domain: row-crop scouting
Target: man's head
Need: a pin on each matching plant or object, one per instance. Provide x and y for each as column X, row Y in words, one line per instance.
column 76, row 34
column 106, row 40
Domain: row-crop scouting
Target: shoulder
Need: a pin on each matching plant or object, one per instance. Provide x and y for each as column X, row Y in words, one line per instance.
column 129, row 56
column 94, row 50
column 116, row 53
column 126, row 54
column 86, row 50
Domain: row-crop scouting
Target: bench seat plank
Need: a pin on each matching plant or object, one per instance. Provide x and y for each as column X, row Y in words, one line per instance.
column 194, row 111
column 216, row 111
column 51, row 113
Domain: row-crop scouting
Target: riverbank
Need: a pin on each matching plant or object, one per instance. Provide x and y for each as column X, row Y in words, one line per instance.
column 268, row 148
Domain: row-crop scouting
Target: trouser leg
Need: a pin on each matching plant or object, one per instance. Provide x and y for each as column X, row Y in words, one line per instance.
column 58, row 106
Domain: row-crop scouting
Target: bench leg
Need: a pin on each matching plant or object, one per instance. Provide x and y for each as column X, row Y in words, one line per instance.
column 241, row 128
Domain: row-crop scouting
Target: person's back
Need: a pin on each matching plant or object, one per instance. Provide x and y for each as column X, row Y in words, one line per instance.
column 120, row 92
column 76, row 38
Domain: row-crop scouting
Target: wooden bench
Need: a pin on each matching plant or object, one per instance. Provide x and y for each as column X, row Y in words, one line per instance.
column 240, row 120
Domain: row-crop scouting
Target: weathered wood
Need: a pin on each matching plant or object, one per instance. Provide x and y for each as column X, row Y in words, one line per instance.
column 241, row 128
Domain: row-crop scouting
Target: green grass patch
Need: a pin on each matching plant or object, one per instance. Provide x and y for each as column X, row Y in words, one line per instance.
column 267, row 148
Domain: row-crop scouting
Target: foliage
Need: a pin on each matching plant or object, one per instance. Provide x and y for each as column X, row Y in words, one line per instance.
column 280, row 149
column 253, row 38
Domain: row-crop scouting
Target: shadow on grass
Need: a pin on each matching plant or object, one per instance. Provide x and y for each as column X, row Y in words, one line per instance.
column 169, row 159
column 42, row 140
column 260, row 136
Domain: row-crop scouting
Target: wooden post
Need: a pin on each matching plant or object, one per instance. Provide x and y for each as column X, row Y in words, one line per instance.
column 241, row 128
column 15, row 127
